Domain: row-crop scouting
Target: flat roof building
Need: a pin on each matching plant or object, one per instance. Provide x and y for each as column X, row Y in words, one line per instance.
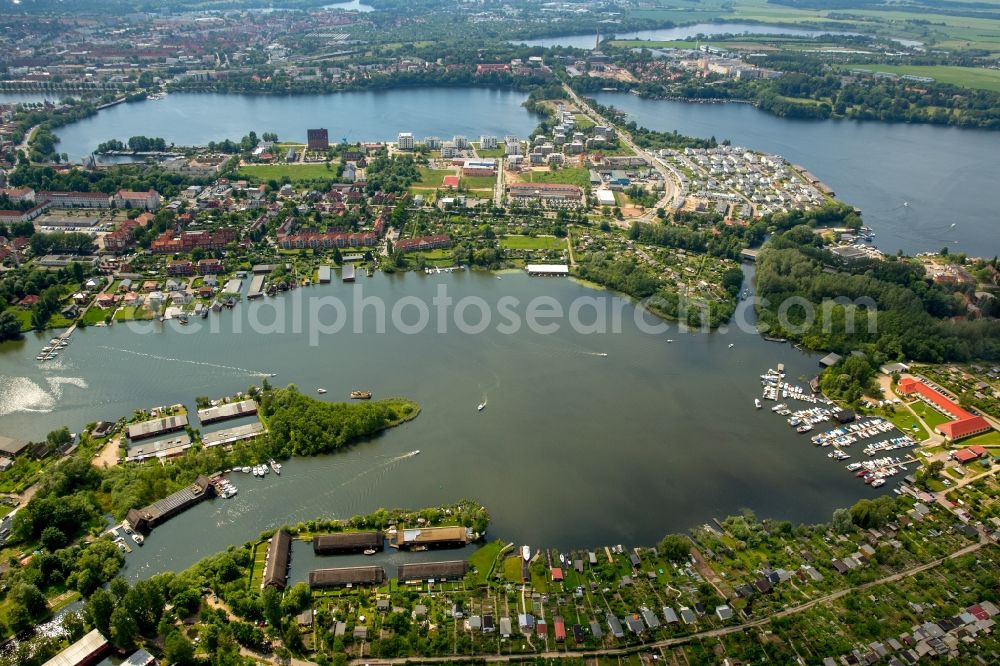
column 230, row 435
column 431, row 537
column 155, row 427
column 232, row 410
column 547, row 269
column 161, row 448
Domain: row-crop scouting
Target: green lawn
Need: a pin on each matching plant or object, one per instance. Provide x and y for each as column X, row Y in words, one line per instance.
column 23, row 316
column 583, row 122
column 295, row 172
column 931, row 416
column 478, row 182
column 95, row 315
column 965, row 77
column 991, row 438
column 569, row 176
column 125, row 314
column 483, row 560
column 903, row 420
column 432, row 178
column 533, row 242
column 490, row 152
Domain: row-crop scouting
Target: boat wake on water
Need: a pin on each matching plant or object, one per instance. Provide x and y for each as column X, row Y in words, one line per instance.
column 247, row 371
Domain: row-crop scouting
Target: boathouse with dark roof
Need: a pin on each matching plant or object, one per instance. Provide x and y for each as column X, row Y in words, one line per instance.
column 438, row 571
column 279, row 552
column 348, row 542
column 144, row 520
column 344, row 576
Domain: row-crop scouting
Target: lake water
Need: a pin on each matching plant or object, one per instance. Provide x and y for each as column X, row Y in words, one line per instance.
column 19, row 97
column 587, row 41
column 354, row 6
column 196, row 119
column 946, row 175
column 586, row 438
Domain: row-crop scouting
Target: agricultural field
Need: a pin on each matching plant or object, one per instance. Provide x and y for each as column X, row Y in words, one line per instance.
column 295, row 172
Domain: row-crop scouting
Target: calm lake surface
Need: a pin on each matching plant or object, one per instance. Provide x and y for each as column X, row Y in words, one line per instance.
column 17, row 97
column 197, row 118
column 586, row 439
column 588, row 40
column 947, row 175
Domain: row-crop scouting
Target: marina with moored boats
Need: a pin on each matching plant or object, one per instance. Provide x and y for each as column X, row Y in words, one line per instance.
column 873, row 472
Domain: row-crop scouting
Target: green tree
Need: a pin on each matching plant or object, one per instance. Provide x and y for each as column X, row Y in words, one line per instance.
column 675, row 547
column 270, row 602
column 99, row 608
column 178, row 650
column 10, row 326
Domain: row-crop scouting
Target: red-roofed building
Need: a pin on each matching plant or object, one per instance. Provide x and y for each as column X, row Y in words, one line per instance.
column 144, row 200
column 969, row 454
column 560, row 627
column 557, row 574
column 422, row 243
column 488, row 68
column 963, row 424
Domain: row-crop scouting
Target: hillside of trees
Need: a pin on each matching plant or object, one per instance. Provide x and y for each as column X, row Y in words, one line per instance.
column 914, row 318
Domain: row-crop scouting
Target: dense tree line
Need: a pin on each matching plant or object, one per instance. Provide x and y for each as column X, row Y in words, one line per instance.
column 647, row 138
column 810, row 88
column 136, row 144
column 913, row 318
column 137, row 177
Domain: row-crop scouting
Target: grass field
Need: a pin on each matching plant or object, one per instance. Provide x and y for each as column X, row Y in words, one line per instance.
column 569, row 176
column 483, row 560
column 95, row 315
column 583, row 122
column 125, row 314
column 432, row 178
column 489, row 152
column 296, row 172
column 903, row 420
column 931, row 417
column 965, row 77
column 532, row 243
column 991, row 439
column 478, row 182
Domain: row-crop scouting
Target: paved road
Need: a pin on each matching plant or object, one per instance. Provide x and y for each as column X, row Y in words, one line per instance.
column 670, row 184
column 23, row 146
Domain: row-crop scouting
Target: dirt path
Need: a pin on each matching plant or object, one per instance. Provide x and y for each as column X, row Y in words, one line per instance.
column 108, row 457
